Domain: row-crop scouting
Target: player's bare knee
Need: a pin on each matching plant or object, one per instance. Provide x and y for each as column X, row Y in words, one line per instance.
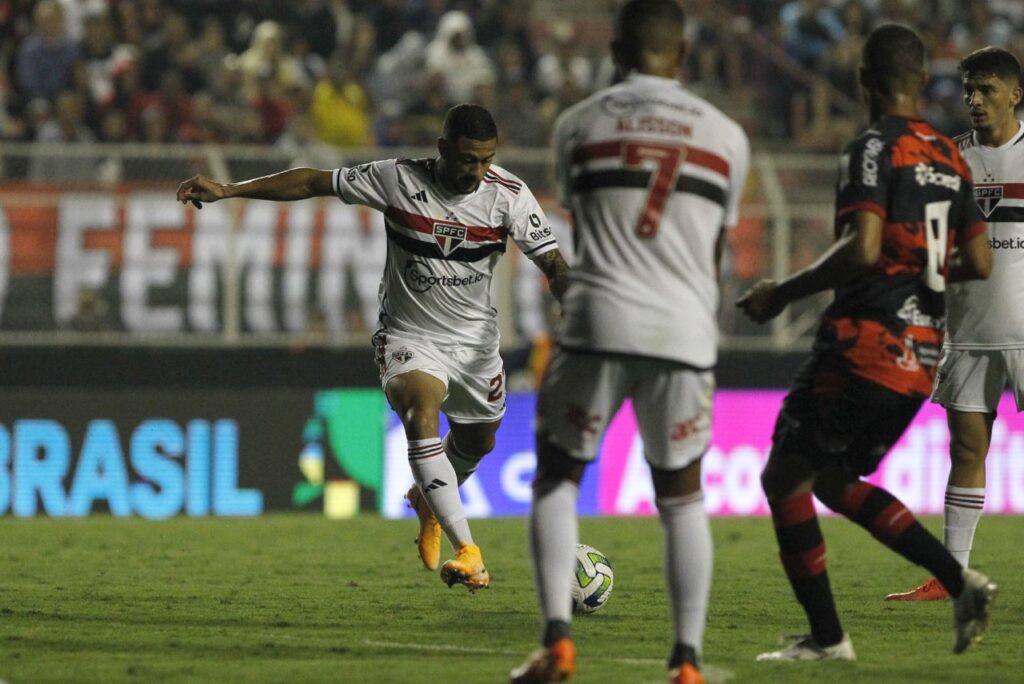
column 478, row 447
column 967, row 454
column 675, row 483
column 420, row 422
column 473, row 441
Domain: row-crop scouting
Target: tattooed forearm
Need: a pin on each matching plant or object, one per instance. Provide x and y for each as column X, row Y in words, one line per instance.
column 553, row 265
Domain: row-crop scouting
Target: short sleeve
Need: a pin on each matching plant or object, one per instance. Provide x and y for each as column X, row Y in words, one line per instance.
column 366, row 184
column 864, row 173
column 528, row 225
column 738, row 169
column 560, row 143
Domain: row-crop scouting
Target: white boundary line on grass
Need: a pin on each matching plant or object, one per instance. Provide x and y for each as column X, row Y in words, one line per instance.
column 712, row 674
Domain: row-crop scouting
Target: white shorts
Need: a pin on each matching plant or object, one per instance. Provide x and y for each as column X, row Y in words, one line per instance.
column 474, row 379
column 972, row 380
column 582, row 392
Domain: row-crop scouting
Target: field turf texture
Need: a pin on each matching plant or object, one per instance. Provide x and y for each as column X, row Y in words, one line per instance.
column 298, row 598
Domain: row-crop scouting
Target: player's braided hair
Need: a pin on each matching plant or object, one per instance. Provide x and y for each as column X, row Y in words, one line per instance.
column 469, row 121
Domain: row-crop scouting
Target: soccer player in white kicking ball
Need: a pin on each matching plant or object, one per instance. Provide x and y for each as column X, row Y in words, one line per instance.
column 448, row 220
column 984, row 347
column 653, row 176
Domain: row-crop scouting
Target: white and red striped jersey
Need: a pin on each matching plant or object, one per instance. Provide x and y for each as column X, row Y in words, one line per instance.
column 443, row 247
column 989, row 314
column 652, row 174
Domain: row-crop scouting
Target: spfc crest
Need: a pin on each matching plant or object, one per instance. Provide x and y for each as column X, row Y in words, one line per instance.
column 987, row 197
column 449, row 236
column 402, row 355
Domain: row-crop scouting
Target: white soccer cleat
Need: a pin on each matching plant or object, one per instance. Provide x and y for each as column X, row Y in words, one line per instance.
column 971, row 609
column 806, row 648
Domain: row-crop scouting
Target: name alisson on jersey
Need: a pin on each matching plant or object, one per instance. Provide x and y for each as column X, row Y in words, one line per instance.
column 653, row 124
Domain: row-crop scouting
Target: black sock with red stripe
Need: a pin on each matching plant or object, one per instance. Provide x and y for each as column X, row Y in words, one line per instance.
column 802, row 551
column 889, row 521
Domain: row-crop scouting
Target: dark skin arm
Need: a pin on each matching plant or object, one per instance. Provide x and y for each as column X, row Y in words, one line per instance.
column 851, row 255
column 553, row 265
column 286, row 186
column 973, row 262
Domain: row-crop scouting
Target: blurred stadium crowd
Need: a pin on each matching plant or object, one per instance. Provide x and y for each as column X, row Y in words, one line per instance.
column 356, row 73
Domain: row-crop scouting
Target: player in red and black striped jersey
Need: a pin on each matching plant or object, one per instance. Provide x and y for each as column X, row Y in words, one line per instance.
column 906, row 222
column 887, row 323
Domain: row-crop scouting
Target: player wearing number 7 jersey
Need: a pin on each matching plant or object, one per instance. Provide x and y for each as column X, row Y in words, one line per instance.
column 653, row 176
column 904, row 202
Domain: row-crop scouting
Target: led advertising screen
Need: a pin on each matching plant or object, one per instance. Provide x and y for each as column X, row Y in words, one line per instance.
column 618, row 483
column 161, row 452
column 149, row 452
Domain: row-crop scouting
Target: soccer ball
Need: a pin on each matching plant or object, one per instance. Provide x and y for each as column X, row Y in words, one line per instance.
column 592, row 581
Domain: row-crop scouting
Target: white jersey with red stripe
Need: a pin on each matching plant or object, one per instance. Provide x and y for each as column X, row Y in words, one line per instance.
column 443, row 247
column 989, row 314
column 652, row 174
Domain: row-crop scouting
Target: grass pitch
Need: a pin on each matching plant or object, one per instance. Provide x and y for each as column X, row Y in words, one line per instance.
column 297, row 598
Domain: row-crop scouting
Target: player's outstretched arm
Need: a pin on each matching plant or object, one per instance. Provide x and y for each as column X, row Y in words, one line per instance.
column 554, row 266
column 286, row 186
column 853, row 253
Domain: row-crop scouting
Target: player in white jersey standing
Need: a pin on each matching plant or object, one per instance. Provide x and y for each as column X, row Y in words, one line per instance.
column 984, row 346
column 447, row 221
column 653, row 176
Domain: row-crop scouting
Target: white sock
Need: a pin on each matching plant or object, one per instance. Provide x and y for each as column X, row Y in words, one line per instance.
column 437, row 481
column 688, row 560
column 963, row 511
column 464, row 465
column 553, row 535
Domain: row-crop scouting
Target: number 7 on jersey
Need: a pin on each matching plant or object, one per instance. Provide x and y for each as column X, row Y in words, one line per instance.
column 663, row 180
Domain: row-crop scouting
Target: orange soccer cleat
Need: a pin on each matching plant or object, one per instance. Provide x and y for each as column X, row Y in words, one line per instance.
column 556, row 663
column 685, row 674
column 428, row 541
column 931, row 590
column 466, row 568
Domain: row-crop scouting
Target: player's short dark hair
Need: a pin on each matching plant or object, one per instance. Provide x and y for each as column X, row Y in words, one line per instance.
column 992, row 61
column 649, row 26
column 893, row 56
column 469, row 121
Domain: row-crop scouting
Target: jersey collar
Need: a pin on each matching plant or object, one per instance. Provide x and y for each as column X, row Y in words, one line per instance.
column 1017, row 137
column 637, row 77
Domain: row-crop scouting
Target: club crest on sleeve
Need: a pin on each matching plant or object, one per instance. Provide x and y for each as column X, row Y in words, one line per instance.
column 987, row 197
column 448, row 236
column 402, row 355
